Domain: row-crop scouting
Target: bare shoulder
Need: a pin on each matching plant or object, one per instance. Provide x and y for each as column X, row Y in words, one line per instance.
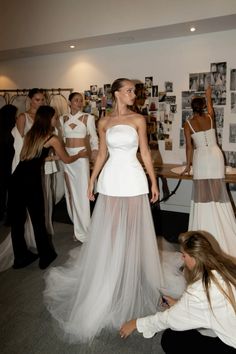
column 103, row 122
column 138, row 119
column 21, row 116
column 51, row 140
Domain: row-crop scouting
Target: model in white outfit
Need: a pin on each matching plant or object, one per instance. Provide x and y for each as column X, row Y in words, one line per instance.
column 116, row 274
column 76, row 126
column 211, row 209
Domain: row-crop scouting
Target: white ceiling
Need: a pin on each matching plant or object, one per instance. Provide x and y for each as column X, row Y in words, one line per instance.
column 215, row 24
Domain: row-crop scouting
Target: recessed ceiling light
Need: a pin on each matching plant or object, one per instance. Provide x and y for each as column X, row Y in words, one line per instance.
column 192, row 29
column 72, row 46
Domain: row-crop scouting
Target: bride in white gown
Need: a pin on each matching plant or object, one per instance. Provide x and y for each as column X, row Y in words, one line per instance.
column 116, row 275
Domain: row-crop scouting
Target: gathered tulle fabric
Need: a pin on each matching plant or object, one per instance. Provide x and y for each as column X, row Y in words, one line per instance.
column 115, row 276
column 211, row 210
column 209, row 190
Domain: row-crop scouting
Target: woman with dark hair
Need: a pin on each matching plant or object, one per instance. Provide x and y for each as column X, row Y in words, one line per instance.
column 26, row 191
column 77, row 126
column 203, row 320
column 117, row 272
column 211, row 209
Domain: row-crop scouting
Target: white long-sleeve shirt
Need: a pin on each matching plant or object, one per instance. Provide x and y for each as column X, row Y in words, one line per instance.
column 193, row 311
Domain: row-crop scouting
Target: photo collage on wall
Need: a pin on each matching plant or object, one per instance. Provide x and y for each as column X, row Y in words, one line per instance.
column 198, row 83
column 158, row 108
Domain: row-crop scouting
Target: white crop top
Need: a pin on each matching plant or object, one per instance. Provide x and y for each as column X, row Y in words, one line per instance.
column 75, row 126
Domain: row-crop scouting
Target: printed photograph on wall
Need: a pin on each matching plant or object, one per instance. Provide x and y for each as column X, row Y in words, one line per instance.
column 186, row 114
column 219, row 135
column 233, row 79
column 199, row 81
column 168, row 86
column 173, row 108
column 155, row 91
column 107, row 89
column 219, row 96
column 219, row 116
column 232, row 133
column 204, row 81
column 148, row 81
column 162, row 96
column 181, row 138
column 218, row 83
column 230, row 158
column 233, row 102
column 218, row 71
column 94, row 89
column 193, row 82
column 186, row 99
column 170, row 99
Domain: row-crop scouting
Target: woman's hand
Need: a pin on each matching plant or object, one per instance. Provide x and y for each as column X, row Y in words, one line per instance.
column 82, row 154
column 155, row 193
column 90, row 193
column 187, row 170
column 127, row 328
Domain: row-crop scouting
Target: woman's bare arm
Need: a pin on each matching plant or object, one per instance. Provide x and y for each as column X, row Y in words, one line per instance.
column 20, row 124
column 60, row 151
column 146, row 156
column 101, row 157
column 189, row 147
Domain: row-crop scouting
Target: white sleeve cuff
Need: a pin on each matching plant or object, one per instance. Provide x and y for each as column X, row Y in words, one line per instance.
column 142, row 328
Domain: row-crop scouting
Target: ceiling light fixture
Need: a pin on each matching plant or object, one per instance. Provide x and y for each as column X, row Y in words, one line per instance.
column 72, row 46
column 192, row 29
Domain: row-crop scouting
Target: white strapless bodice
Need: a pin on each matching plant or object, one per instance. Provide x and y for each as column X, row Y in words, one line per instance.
column 122, row 175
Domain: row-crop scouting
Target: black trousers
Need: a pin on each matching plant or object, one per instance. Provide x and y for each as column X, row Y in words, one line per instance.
column 193, row 342
column 22, row 197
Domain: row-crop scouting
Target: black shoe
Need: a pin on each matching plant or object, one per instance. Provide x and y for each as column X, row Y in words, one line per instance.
column 24, row 262
column 44, row 262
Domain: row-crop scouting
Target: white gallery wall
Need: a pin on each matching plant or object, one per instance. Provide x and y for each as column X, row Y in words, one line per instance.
column 165, row 60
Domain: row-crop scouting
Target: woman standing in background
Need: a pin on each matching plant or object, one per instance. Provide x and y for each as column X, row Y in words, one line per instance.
column 211, row 209
column 26, row 191
column 77, row 127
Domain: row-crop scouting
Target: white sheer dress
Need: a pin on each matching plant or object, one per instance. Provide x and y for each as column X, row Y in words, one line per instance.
column 211, row 209
column 116, row 275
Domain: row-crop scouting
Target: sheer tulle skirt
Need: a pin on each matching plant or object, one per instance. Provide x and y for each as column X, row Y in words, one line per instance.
column 115, row 276
column 211, row 210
